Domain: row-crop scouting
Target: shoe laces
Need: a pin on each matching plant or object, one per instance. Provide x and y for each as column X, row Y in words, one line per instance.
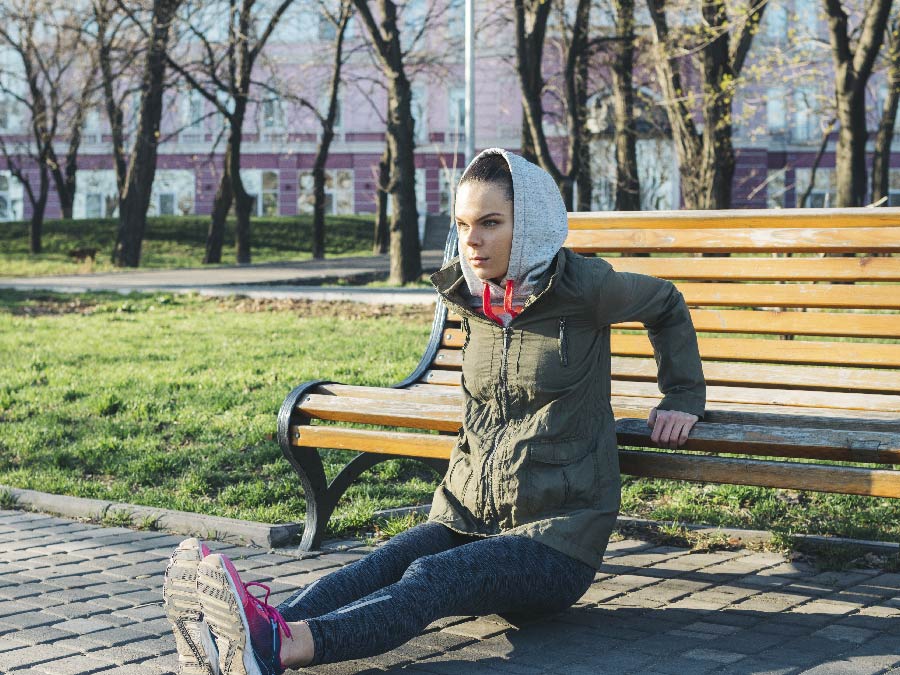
column 263, row 606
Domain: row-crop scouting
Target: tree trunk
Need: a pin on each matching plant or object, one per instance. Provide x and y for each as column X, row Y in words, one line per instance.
column 38, row 206
column 318, row 242
column 628, row 188
column 142, row 168
column 243, row 202
column 215, row 237
column 406, row 261
column 852, row 69
column 850, row 153
column 885, row 137
column 382, row 228
column 801, row 203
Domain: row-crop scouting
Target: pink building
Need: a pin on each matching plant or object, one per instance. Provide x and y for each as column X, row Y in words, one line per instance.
column 778, row 124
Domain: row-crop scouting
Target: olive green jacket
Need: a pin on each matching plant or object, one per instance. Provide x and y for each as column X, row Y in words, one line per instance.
column 537, row 454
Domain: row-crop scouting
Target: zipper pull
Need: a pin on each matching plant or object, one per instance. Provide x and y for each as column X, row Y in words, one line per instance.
column 563, row 343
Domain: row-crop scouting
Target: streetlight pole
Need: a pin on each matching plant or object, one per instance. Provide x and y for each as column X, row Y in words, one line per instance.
column 470, row 80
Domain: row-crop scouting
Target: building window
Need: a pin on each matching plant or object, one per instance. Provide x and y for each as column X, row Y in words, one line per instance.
column 893, row 187
column 448, row 180
column 11, row 194
column 269, row 204
column 93, row 205
column 339, row 192
column 419, row 106
column 327, row 29
column 775, row 189
column 775, row 114
column 823, row 191
column 456, row 19
column 4, row 115
column 805, row 125
column 272, row 114
column 456, row 119
column 167, row 204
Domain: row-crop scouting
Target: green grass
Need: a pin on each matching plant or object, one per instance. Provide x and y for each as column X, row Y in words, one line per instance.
column 175, row 242
column 170, row 401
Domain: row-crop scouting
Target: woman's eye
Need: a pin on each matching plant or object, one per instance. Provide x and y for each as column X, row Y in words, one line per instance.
column 461, row 226
column 489, row 223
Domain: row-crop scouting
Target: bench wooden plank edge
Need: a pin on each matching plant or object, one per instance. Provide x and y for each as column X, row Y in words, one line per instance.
column 761, row 473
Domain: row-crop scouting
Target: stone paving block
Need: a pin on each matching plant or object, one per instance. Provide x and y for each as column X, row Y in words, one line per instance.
column 78, row 664
column 84, row 626
column 480, row 628
column 680, row 665
column 29, row 656
column 167, row 663
column 845, row 633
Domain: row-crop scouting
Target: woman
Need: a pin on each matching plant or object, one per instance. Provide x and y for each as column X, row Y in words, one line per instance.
column 523, row 515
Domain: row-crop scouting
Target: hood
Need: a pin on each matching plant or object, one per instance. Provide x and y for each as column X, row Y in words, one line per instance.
column 540, row 226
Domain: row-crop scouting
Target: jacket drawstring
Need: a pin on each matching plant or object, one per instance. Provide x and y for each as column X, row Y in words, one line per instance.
column 507, row 303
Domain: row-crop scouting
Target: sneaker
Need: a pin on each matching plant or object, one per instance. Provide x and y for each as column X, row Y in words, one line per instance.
column 196, row 649
column 248, row 631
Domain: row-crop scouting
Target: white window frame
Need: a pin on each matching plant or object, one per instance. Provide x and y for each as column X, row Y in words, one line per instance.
column 305, row 195
column 456, row 112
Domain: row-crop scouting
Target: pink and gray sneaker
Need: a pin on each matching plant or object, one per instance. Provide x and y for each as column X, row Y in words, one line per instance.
column 196, row 649
column 248, row 631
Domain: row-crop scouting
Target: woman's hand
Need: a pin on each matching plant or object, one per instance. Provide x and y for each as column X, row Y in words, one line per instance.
column 670, row 427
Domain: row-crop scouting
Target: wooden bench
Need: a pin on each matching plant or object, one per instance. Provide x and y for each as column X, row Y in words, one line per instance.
column 798, row 330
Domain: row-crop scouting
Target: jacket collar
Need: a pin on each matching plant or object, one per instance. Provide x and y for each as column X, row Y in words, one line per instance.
column 450, row 284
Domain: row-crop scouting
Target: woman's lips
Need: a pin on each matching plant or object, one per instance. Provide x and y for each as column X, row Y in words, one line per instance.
column 478, row 262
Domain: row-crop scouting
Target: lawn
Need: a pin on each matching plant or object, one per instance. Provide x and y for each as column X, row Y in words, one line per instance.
column 175, row 242
column 170, row 401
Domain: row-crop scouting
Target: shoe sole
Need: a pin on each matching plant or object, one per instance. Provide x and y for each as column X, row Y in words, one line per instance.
column 184, row 613
column 222, row 610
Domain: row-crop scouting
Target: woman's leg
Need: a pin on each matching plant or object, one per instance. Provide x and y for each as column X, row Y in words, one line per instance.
column 496, row 575
column 380, row 568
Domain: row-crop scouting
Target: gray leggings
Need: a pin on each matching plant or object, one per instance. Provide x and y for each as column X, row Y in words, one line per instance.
column 388, row 597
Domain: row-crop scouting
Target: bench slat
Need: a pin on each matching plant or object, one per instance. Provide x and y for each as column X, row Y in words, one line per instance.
column 378, row 411
column 739, row 240
column 829, row 444
column 772, row 218
column 448, row 361
column 863, row 354
column 813, row 296
column 776, row 397
column 832, row 445
column 765, row 322
column 826, row 324
column 636, row 406
column 705, row 469
column 763, row 269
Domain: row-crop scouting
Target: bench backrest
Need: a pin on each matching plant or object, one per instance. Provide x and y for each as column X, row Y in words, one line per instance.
column 804, row 311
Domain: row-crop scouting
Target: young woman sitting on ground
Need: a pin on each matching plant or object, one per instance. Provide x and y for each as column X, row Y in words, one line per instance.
column 521, row 520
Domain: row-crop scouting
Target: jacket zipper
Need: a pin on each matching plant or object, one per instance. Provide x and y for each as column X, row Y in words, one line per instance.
column 563, row 343
column 504, row 407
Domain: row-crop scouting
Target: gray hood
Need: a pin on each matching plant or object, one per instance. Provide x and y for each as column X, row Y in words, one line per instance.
column 540, row 226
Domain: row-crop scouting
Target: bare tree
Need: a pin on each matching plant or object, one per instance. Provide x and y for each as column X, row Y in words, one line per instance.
column 384, row 36
column 224, row 70
column 327, row 121
column 882, row 159
column 705, row 154
column 382, row 238
column 531, row 19
column 134, row 198
column 49, row 54
column 852, row 68
column 628, row 186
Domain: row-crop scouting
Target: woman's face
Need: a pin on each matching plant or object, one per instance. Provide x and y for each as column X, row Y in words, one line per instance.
column 484, row 221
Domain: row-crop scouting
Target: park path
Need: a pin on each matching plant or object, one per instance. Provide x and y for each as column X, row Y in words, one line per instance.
column 79, row 599
column 273, row 280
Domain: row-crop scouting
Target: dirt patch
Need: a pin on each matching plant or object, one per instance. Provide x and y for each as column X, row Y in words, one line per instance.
column 342, row 309
column 49, row 306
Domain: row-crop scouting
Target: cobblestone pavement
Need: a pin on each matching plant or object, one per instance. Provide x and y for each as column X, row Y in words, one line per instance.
column 77, row 598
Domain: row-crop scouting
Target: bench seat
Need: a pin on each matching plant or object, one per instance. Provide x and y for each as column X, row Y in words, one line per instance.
column 799, row 331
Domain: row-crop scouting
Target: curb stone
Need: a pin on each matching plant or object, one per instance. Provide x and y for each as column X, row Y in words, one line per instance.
column 744, row 536
column 230, row 530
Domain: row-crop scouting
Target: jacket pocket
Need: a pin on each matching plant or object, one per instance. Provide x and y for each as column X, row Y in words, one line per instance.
column 563, row 343
column 557, row 476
